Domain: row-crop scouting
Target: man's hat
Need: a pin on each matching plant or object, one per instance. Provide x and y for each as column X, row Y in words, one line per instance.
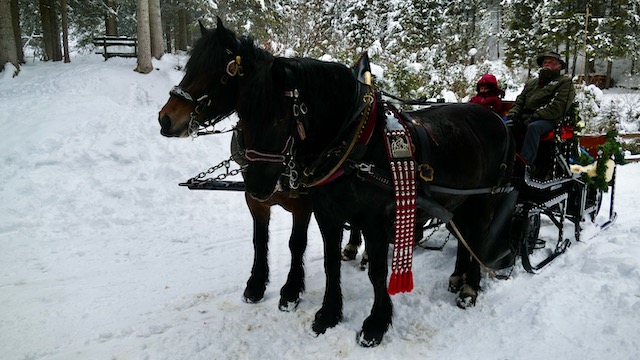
column 551, row 54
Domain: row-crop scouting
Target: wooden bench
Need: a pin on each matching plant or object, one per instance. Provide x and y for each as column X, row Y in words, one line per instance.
column 121, row 46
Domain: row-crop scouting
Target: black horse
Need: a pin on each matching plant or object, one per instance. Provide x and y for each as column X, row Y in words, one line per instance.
column 180, row 109
column 316, row 119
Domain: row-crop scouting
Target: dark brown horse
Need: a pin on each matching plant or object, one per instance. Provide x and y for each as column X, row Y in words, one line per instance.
column 309, row 117
column 184, row 109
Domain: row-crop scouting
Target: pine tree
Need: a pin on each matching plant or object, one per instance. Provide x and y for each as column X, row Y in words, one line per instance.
column 522, row 33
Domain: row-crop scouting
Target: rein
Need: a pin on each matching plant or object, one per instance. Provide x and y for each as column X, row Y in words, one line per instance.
column 281, row 157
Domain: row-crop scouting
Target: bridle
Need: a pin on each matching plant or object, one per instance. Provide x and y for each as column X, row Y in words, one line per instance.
column 201, row 104
column 204, row 127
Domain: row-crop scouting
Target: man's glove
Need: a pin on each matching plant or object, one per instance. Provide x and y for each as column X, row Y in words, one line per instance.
column 512, row 119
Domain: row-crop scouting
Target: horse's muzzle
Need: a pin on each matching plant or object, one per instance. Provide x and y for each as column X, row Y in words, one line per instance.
column 165, row 126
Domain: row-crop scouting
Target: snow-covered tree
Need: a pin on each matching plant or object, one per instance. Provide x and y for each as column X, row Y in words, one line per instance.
column 522, row 33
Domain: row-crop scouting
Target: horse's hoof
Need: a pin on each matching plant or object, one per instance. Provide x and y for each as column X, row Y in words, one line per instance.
column 252, row 298
column 453, row 288
column 348, row 255
column 467, row 297
column 466, row 302
column 368, row 341
column 322, row 322
column 455, row 283
column 363, row 266
column 288, row 306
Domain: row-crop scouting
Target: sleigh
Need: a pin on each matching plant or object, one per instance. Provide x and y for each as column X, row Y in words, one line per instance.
column 560, row 192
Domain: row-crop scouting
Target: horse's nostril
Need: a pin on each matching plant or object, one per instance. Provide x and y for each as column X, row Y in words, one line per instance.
column 165, row 122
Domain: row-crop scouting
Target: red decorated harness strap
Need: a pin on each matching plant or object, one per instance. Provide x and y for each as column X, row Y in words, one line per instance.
column 403, row 173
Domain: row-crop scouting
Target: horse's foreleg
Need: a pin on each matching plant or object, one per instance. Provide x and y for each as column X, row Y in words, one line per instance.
column 376, row 325
column 351, row 249
column 257, row 283
column 290, row 292
column 331, row 312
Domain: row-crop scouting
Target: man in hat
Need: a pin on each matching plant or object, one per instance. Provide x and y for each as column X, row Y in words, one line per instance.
column 542, row 103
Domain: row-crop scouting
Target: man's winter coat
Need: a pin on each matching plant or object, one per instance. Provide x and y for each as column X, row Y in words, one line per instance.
column 547, row 100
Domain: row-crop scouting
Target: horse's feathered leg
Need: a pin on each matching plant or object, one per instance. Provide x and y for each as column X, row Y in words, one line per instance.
column 331, row 312
column 290, row 292
column 377, row 324
column 257, row 283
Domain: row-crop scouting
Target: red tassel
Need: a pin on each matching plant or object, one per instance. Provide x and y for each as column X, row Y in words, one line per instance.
column 400, row 283
column 393, row 284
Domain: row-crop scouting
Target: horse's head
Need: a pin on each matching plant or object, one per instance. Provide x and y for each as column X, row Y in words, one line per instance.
column 208, row 91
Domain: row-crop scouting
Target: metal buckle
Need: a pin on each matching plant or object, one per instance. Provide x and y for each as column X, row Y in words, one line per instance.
column 366, row 168
column 232, row 68
column 426, row 172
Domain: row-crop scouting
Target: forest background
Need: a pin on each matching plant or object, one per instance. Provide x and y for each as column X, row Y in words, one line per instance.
column 423, row 47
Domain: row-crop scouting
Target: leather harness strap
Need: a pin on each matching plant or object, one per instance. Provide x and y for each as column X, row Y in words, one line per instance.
column 329, row 165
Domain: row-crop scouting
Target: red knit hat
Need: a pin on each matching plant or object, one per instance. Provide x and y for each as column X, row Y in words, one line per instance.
column 491, row 81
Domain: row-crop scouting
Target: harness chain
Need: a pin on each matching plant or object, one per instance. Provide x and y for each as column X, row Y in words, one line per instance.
column 403, row 171
column 225, row 163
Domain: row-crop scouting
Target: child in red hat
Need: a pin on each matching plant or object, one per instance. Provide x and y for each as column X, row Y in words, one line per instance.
column 489, row 94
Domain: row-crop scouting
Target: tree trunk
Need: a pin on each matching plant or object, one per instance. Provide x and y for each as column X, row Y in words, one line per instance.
column 607, row 79
column 45, row 10
column 144, row 37
column 50, row 31
column 167, row 34
column 111, row 19
column 15, row 17
column 65, row 31
column 181, row 39
column 155, row 26
column 8, row 51
column 56, row 35
column 187, row 21
column 575, row 61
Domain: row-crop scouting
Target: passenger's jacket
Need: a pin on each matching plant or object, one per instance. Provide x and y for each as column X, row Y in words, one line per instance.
column 540, row 101
column 491, row 102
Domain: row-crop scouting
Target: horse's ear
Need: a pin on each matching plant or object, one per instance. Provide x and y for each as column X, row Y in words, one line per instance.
column 203, row 29
column 219, row 25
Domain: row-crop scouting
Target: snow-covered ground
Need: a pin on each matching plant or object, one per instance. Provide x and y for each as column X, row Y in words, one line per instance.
column 103, row 256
